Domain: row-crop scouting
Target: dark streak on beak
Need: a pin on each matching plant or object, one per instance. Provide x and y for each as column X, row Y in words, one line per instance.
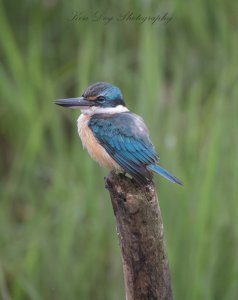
column 74, row 102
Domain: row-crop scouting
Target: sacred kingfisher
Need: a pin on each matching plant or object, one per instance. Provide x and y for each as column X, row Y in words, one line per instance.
column 115, row 137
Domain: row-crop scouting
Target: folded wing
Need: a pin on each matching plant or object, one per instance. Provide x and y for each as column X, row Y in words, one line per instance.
column 125, row 138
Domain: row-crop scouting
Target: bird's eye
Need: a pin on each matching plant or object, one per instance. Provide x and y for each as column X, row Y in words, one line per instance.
column 101, row 99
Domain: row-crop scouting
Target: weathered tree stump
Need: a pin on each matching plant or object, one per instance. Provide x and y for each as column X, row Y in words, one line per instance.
column 141, row 236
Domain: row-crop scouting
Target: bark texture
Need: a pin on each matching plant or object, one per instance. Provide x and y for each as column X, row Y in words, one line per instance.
column 141, row 237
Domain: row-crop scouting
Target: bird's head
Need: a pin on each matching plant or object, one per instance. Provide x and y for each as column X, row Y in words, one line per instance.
column 98, row 97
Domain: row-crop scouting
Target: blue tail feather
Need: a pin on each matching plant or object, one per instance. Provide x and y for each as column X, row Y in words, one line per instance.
column 164, row 173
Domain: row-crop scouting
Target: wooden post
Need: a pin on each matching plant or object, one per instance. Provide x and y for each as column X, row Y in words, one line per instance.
column 141, row 237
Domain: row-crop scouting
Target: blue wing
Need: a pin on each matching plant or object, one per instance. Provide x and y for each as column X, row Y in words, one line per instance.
column 125, row 137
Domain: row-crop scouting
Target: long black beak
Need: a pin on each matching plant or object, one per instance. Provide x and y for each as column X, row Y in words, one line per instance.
column 74, row 102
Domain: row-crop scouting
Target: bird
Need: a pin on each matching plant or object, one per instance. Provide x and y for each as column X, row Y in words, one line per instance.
column 114, row 136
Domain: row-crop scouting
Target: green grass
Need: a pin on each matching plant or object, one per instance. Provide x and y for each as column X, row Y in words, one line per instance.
column 57, row 230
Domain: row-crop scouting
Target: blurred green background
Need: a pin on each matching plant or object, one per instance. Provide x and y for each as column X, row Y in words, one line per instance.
column 57, row 230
